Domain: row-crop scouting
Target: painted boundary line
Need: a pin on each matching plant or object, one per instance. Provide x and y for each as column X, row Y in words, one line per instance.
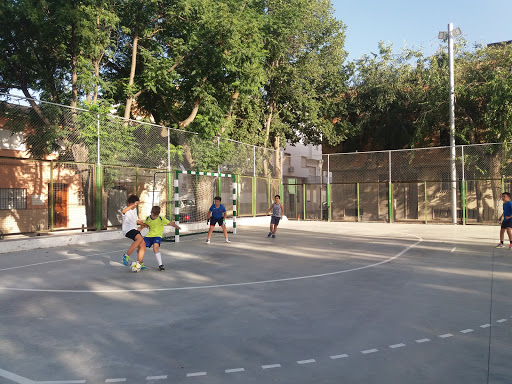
column 215, row 285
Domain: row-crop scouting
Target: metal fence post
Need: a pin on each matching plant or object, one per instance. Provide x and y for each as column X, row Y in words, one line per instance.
column 426, row 204
column 99, row 197
column 329, row 211
column 234, row 184
column 304, row 201
column 463, row 190
column 390, row 193
column 357, row 199
column 254, row 198
column 51, row 198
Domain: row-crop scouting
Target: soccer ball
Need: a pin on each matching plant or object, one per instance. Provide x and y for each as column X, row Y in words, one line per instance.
column 135, row 266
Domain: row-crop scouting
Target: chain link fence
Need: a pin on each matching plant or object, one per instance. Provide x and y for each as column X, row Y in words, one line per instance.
column 413, row 185
column 64, row 168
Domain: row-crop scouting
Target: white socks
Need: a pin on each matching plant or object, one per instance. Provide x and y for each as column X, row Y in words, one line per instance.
column 159, row 257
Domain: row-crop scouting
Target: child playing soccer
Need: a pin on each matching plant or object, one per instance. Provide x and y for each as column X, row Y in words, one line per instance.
column 129, row 227
column 506, row 224
column 217, row 214
column 277, row 214
column 156, row 223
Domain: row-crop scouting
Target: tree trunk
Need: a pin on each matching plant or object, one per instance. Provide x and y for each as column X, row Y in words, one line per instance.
column 129, row 97
column 74, row 75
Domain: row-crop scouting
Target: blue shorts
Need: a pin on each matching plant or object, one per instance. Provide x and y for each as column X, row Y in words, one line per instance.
column 214, row 221
column 152, row 240
column 275, row 220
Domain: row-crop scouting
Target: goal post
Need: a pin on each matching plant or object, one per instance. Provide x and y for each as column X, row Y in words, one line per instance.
column 192, row 194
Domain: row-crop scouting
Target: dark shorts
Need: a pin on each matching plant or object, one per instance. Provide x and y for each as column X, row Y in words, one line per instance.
column 275, row 220
column 152, row 240
column 506, row 224
column 132, row 234
column 214, row 221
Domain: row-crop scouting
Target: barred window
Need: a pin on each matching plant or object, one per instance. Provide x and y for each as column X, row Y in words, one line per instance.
column 81, row 198
column 13, row 198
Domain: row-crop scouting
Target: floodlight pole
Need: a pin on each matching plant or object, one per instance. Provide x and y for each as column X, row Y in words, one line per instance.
column 453, row 169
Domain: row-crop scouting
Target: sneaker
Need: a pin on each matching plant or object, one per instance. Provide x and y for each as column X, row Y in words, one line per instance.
column 228, row 241
column 269, row 234
column 161, row 267
column 126, row 260
column 500, row 246
column 143, row 267
column 273, row 236
column 207, row 241
column 510, row 246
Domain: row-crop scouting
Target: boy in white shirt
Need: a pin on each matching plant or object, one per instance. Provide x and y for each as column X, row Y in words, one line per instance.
column 130, row 230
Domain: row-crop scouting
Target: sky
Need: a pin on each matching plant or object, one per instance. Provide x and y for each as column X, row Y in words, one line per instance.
column 416, row 23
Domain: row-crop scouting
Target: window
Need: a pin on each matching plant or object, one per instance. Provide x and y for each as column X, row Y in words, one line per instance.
column 81, row 198
column 13, row 198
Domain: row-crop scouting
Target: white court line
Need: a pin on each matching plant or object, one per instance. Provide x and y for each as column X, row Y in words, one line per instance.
column 215, row 285
column 233, row 370
column 15, row 378
column 453, row 249
column 309, row 361
column 467, row 330
column 501, row 320
column 58, row 261
column 62, row 382
column 339, row 356
column 397, row 345
column 120, row 380
column 369, row 351
column 156, row 377
column 422, row 340
column 270, row 366
column 445, row 335
column 485, row 326
column 196, row 374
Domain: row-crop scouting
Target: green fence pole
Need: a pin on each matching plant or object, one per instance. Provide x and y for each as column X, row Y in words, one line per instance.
column 390, row 202
column 219, row 186
column 269, row 191
column 51, row 197
column 328, row 193
column 463, row 198
column 254, row 200
column 304, row 201
column 99, row 197
column 235, row 195
column 168, row 206
column 357, row 197
column 426, row 204
column 281, row 191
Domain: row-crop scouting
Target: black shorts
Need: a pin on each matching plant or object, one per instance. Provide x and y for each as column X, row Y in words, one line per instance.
column 132, row 234
column 506, row 224
column 214, row 221
column 275, row 220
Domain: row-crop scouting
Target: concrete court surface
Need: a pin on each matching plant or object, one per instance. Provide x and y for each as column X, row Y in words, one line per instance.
column 321, row 303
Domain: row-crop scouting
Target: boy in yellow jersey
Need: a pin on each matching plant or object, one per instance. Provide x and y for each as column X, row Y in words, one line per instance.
column 156, row 223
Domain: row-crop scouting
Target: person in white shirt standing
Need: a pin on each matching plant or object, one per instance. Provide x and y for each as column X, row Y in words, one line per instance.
column 130, row 230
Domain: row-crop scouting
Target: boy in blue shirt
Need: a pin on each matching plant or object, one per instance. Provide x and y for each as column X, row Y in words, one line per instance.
column 217, row 214
column 506, row 225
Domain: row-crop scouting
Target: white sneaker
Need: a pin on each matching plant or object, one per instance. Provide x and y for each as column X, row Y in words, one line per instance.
column 207, row 241
column 228, row 241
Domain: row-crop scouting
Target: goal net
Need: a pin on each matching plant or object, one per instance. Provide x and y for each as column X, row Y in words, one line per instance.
column 193, row 195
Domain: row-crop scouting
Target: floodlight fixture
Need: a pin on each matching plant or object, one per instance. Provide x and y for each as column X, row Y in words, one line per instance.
column 456, row 32
column 442, row 35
